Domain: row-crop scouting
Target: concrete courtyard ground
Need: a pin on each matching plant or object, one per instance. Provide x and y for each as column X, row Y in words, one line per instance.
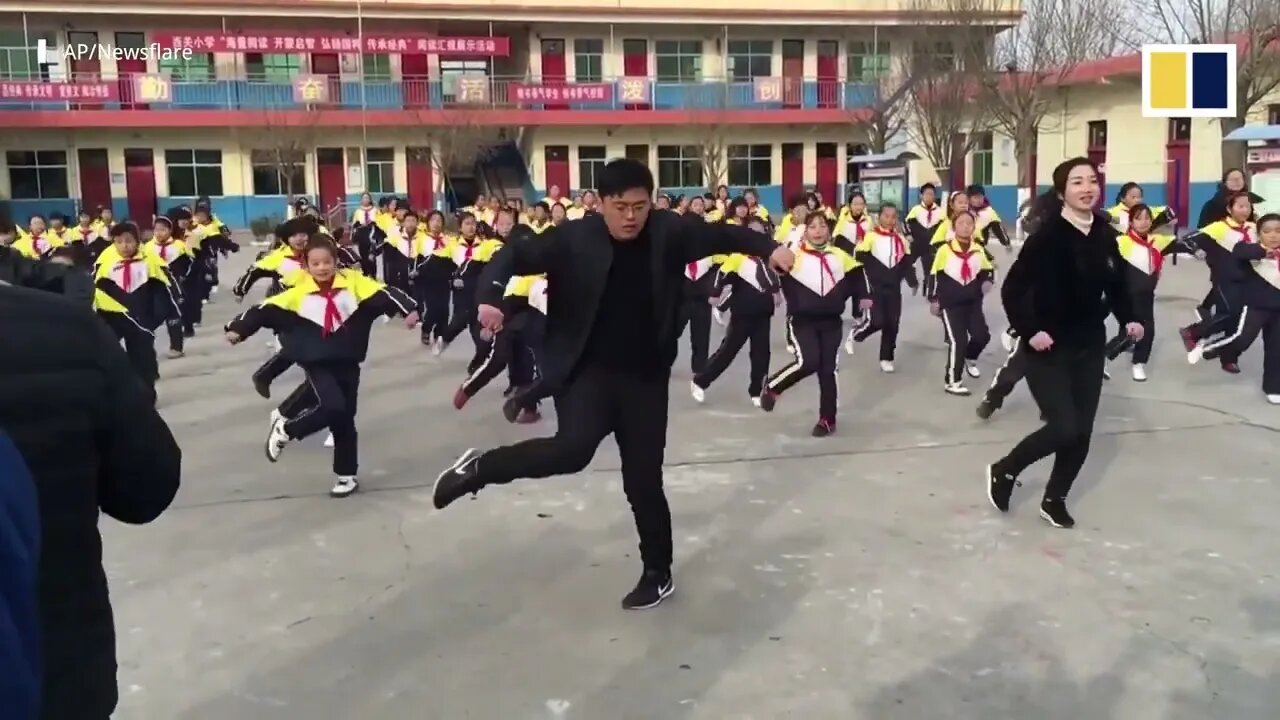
column 863, row 576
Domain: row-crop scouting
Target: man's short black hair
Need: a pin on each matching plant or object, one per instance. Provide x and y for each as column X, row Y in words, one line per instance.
column 123, row 228
column 622, row 175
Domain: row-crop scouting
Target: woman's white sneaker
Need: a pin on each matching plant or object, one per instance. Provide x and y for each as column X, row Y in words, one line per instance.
column 850, row 344
column 886, row 366
column 699, row 395
column 956, row 389
column 344, row 486
column 971, row 367
column 328, row 441
column 276, row 440
column 1140, row 372
column 1273, row 399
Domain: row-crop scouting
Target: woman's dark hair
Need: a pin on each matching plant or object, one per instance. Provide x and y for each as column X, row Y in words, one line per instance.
column 951, row 203
column 464, row 216
column 1243, row 175
column 1232, row 197
column 320, row 242
column 855, row 194
column 1049, row 202
column 928, row 186
column 508, row 211
column 964, row 213
column 427, row 220
column 812, row 201
column 1139, row 209
column 1124, row 190
column 124, row 227
column 731, row 212
column 1268, row 218
column 975, row 190
column 622, row 175
column 819, row 216
column 716, row 194
column 886, row 206
column 545, row 207
column 799, row 199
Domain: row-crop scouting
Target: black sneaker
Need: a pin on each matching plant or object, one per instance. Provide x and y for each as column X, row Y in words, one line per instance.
column 511, row 409
column 1055, row 511
column 824, row 428
column 986, row 409
column 461, row 478
column 653, row 588
column 1000, row 487
column 768, row 399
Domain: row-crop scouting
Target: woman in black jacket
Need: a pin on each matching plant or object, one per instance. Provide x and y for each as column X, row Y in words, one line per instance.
column 1233, row 181
column 1057, row 295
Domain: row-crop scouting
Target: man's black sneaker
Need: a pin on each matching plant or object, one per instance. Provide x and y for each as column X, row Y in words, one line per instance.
column 986, row 409
column 262, row 387
column 1055, row 511
column 1000, row 486
column 653, row 588
column 461, row 478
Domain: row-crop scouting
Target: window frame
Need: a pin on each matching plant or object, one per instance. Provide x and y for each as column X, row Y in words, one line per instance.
column 688, row 166
column 276, row 68
column 45, row 167
column 377, row 167
column 755, row 158
column 681, row 51
column 592, row 57
column 874, row 60
column 754, row 53
column 982, row 160
column 589, row 167
column 380, row 70
column 269, row 165
column 195, row 164
column 198, row 68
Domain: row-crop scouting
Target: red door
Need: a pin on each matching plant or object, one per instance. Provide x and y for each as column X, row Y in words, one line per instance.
column 553, row 67
column 95, row 178
column 331, row 179
column 828, row 173
column 635, row 64
column 557, row 169
column 416, row 71
column 828, row 74
column 955, row 173
column 1177, row 172
column 126, row 68
column 792, row 73
column 421, row 181
column 140, row 183
column 86, row 68
column 792, row 171
column 327, row 64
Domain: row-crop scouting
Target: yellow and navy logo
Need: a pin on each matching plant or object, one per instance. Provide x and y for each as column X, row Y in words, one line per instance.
column 1189, row 81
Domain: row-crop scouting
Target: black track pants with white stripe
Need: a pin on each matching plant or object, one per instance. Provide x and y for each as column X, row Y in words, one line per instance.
column 328, row 399
column 967, row 337
column 817, row 341
column 1254, row 321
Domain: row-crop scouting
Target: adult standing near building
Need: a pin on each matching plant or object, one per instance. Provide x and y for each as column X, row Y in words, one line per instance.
column 1057, row 295
column 615, row 284
column 87, row 428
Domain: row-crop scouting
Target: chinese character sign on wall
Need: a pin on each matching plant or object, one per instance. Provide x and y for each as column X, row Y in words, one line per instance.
column 633, row 91
column 473, row 89
column 310, row 89
column 152, row 89
column 275, row 41
column 767, row 89
column 58, row 91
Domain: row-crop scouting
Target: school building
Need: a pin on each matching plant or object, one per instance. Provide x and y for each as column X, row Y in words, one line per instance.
column 332, row 98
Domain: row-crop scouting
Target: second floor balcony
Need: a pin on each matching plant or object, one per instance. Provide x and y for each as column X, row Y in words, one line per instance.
column 704, row 98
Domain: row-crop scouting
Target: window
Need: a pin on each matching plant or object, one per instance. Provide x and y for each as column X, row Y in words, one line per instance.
column 750, row 59
column 377, row 68
column 18, row 59
column 272, row 67
column 380, row 170
column 983, row 152
column 37, row 174
column 938, row 56
column 678, row 61
column 1097, row 134
column 193, row 173
column 590, row 163
column 750, row 165
column 868, row 61
column 588, row 61
column 1273, row 114
column 1179, row 129
column 278, row 172
column 197, row 68
column 679, row 166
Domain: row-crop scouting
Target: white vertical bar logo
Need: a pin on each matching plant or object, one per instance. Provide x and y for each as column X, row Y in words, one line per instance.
column 42, row 51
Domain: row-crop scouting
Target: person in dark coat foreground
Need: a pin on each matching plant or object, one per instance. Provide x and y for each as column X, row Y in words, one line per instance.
column 20, row 664
column 89, row 432
column 615, row 284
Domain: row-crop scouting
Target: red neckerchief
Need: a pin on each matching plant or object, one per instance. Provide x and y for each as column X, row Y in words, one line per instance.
column 692, row 269
column 470, row 247
column 928, row 214
column 37, row 242
column 126, row 273
column 899, row 247
column 858, row 228
column 437, row 240
column 1157, row 257
column 966, row 272
column 1243, row 230
column 164, row 250
column 84, row 233
column 367, row 218
column 332, row 316
column 822, row 258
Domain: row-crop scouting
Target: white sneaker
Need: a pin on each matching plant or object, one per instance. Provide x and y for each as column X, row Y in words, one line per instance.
column 718, row 316
column 1106, row 373
column 886, row 366
column 438, row 346
column 275, row 417
column 1007, row 341
column 791, row 349
column 755, row 400
column 386, row 319
column 956, row 389
column 699, row 395
column 328, row 442
column 1196, row 355
column 1139, row 372
column 1273, row 399
column 276, row 440
column 213, row 290
column 343, row 486
column 971, row 367
column 849, row 344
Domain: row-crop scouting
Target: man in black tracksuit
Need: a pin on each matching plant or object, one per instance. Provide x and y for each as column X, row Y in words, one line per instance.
column 615, row 286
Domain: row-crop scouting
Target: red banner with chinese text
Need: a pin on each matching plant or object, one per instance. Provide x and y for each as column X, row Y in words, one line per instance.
column 59, row 91
column 561, row 93
column 275, row 41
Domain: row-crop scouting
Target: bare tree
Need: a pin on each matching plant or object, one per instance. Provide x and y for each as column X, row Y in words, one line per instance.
column 284, row 144
column 458, row 143
column 711, row 130
column 1029, row 62
column 890, row 107
column 1253, row 26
